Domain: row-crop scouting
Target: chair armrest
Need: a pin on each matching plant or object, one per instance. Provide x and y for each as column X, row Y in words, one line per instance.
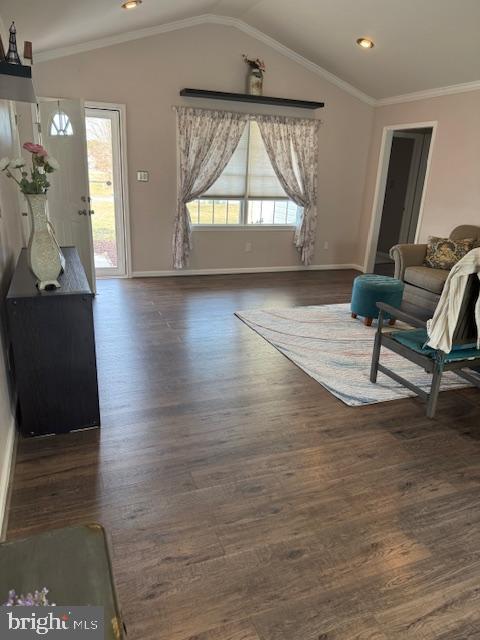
column 402, row 315
column 407, row 255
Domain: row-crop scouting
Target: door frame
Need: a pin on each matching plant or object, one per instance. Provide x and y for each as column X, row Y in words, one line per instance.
column 122, row 111
column 381, row 184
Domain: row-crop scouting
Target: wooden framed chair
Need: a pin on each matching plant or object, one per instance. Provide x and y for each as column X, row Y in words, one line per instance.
column 410, row 343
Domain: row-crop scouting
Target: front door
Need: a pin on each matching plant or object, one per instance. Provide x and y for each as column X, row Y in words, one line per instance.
column 62, row 132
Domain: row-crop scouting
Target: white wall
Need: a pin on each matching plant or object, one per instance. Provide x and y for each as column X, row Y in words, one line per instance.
column 452, row 195
column 147, row 75
column 10, row 243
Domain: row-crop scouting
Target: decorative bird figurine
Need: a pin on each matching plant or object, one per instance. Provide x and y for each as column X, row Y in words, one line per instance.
column 12, row 55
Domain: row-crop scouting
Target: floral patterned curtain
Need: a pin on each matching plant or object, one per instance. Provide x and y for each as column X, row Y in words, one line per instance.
column 206, row 142
column 292, row 146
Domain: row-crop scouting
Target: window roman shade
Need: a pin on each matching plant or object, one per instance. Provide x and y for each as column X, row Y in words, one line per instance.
column 261, row 181
column 231, row 183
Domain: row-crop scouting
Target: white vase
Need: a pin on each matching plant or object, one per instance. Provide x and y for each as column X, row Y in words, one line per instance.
column 43, row 253
column 255, row 82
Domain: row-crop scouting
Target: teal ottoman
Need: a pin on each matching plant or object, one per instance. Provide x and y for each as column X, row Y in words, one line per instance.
column 370, row 289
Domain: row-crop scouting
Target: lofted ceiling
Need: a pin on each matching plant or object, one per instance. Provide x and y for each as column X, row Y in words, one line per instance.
column 420, row 44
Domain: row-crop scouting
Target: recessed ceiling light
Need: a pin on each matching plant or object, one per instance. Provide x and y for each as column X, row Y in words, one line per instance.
column 365, row 43
column 131, row 4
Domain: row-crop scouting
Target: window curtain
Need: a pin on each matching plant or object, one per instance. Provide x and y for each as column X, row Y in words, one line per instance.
column 292, row 146
column 206, row 142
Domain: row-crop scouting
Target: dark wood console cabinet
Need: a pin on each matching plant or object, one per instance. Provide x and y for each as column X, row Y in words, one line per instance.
column 52, row 350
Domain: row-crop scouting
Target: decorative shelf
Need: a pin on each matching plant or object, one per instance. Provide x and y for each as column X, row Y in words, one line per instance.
column 246, row 97
column 16, row 82
column 18, row 70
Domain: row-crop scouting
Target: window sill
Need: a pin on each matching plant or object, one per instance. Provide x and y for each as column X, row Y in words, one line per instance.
column 243, row 227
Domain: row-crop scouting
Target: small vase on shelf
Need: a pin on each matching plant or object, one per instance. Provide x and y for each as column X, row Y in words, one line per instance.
column 256, row 69
column 43, row 253
column 255, row 82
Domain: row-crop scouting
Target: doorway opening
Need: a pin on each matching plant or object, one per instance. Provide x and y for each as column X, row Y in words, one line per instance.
column 107, row 189
column 400, row 188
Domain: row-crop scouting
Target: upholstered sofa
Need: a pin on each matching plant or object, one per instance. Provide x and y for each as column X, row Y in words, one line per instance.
column 424, row 285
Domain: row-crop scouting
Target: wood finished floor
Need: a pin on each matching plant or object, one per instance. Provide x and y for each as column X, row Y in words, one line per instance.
column 243, row 501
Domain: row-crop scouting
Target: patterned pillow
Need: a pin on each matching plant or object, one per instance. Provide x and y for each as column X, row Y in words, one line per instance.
column 443, row 253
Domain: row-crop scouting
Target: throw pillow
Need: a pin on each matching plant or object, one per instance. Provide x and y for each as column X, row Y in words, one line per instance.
column 443, row 253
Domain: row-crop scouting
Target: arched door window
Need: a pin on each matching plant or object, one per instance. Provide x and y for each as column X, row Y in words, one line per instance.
column 60, row 124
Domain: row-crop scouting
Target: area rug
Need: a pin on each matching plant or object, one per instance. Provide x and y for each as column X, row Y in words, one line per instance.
column 336, row 351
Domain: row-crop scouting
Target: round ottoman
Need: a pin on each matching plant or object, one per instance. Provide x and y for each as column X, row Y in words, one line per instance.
column 370, row 289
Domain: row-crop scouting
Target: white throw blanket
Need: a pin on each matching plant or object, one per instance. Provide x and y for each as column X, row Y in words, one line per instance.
column 442, row 326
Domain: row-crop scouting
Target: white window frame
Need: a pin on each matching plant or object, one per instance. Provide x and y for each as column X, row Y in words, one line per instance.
column 244, row 199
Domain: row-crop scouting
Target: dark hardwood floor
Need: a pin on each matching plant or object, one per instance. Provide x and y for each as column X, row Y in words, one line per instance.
column 243, row 501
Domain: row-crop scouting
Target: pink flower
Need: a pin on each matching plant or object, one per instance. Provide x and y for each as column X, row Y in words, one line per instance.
column 36, row 149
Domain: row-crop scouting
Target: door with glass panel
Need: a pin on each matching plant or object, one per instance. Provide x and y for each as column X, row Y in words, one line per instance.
column 60, row 126
column 103, row 134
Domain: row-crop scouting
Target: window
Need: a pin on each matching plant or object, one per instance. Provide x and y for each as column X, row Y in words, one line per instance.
column 61, row 125
column 248, row 191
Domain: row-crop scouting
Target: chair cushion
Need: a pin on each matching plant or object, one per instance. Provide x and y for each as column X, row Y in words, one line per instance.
column 416, row 340
column 426, row 278
column 444, row 253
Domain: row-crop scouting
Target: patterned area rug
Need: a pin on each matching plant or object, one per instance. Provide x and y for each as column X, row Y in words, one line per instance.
column 336, row 351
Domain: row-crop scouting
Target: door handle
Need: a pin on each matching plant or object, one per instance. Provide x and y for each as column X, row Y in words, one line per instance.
column 82, row 212
column 91, row 212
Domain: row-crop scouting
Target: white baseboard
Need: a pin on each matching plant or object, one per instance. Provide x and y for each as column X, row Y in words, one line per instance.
column 229, row 271
column 6, row 462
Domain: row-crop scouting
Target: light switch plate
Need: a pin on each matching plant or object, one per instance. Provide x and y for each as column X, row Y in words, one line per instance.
column 143, row 176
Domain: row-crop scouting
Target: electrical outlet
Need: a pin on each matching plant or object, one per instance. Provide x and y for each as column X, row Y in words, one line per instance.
column 142, row 176
column 325, row 245
column 248, row 247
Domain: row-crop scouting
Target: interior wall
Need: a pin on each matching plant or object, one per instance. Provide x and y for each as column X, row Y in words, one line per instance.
column 452, row 190
column 11, row 241
column 147, row 75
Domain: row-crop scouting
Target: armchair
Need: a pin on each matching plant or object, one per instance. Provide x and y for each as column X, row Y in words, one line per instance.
column 411, row 344
column 424, row 285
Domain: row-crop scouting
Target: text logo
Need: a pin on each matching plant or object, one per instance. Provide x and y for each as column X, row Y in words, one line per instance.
column 26, row 623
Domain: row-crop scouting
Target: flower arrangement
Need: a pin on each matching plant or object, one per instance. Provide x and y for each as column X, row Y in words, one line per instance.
column 35, row 599
column 255, row 63
column 42, row 164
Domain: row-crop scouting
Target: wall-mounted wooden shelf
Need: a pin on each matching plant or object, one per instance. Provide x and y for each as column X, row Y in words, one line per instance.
column 16, row 82
column 18, row 70
column 246, row 97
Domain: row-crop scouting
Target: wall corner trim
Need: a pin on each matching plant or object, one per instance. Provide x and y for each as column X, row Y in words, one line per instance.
column 6, row 467
column 430, row 93
column 207, row 18
column 239, row 270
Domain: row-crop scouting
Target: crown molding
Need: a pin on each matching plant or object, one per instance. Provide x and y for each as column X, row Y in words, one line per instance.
column 293, row 55
column 429, row 93
column 236, row 23
column 128, row 36
column 227, row 21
